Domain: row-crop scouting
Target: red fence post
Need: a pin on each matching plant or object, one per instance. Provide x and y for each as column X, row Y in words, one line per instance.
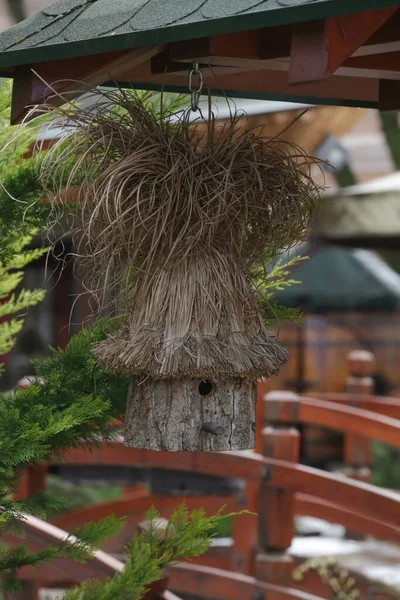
column 31, row 481
column 277, row 510
column 29, row 591
column 277, row 506
column 358, row 449
column 245, row 530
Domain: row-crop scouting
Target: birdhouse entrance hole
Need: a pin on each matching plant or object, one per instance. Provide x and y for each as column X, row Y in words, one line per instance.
column 206, row 387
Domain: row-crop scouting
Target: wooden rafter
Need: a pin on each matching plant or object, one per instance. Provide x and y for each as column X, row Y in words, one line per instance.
column 267, row 82
column 162, row 65
column 260, row 49
column 338, row 59
column 388, row 61
column 242, row 50
column 319, row 48
column 218, row 49
column 78, row 77
column 385, row 39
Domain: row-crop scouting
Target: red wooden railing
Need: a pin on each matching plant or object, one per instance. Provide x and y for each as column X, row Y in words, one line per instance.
column 276, row 487
column 365, row 423
column 306, row 504
column 380, row 508
column 196, row 580
column 61, row 573
column 208, row 582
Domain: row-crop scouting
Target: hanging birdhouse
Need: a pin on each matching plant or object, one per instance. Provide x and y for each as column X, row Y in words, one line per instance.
column 173, row 224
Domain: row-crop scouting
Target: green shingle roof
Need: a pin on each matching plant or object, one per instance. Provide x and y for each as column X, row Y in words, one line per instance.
column 339, row 279
column 71, row 28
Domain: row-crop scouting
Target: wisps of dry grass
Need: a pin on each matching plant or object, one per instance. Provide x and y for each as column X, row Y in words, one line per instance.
column 172, row 223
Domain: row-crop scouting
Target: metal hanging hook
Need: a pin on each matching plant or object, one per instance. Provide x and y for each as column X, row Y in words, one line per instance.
column 196, row 90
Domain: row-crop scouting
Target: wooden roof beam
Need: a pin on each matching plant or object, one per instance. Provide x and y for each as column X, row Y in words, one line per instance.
column 227, row 53
column 218, row 49
column 378, row 66
column 320, row 47
column 251, row 49
column 379, row 62
column 272, row 83
column 243, row 49
column 38, row 84
column 385, row 39
column 161, row 65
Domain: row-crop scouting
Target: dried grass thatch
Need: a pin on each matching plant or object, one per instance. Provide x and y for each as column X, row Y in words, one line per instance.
column 174, row 222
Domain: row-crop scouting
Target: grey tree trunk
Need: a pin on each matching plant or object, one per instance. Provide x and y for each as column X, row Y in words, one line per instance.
column 191, row 415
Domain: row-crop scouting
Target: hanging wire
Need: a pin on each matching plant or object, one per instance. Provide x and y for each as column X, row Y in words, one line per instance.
column 195, row 90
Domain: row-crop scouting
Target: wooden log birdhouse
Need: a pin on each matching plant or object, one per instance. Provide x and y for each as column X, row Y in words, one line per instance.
column 173, row 223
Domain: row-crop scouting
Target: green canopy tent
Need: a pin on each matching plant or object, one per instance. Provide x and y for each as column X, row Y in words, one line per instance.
column 338, row 280
column 341, row 279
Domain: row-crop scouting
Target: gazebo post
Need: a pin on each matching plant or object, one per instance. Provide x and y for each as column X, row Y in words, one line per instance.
column 359, row 383
column 277, row 507
column 276, row 524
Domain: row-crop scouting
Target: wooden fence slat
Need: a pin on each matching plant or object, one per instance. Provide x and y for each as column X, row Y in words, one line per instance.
column 338, row 416
column 370, row 500
column 307, row 505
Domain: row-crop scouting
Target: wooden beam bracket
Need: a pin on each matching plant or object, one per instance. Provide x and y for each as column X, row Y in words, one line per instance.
column 320, row 47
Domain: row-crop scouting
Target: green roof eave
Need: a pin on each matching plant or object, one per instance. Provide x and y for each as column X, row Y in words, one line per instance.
column 318, row 101
column 243, row 21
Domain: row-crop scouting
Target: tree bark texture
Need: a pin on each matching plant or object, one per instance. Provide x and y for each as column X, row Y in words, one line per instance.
column 190, row 414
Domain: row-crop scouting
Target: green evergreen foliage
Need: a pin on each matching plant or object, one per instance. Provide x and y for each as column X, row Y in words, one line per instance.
column 79, row 545
column 73, row 404
column 151, row 550
column 386, row 466
column 17, row 228
column 11, row 274
column 45, row 418
column 269, row 282
column 21, row 213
